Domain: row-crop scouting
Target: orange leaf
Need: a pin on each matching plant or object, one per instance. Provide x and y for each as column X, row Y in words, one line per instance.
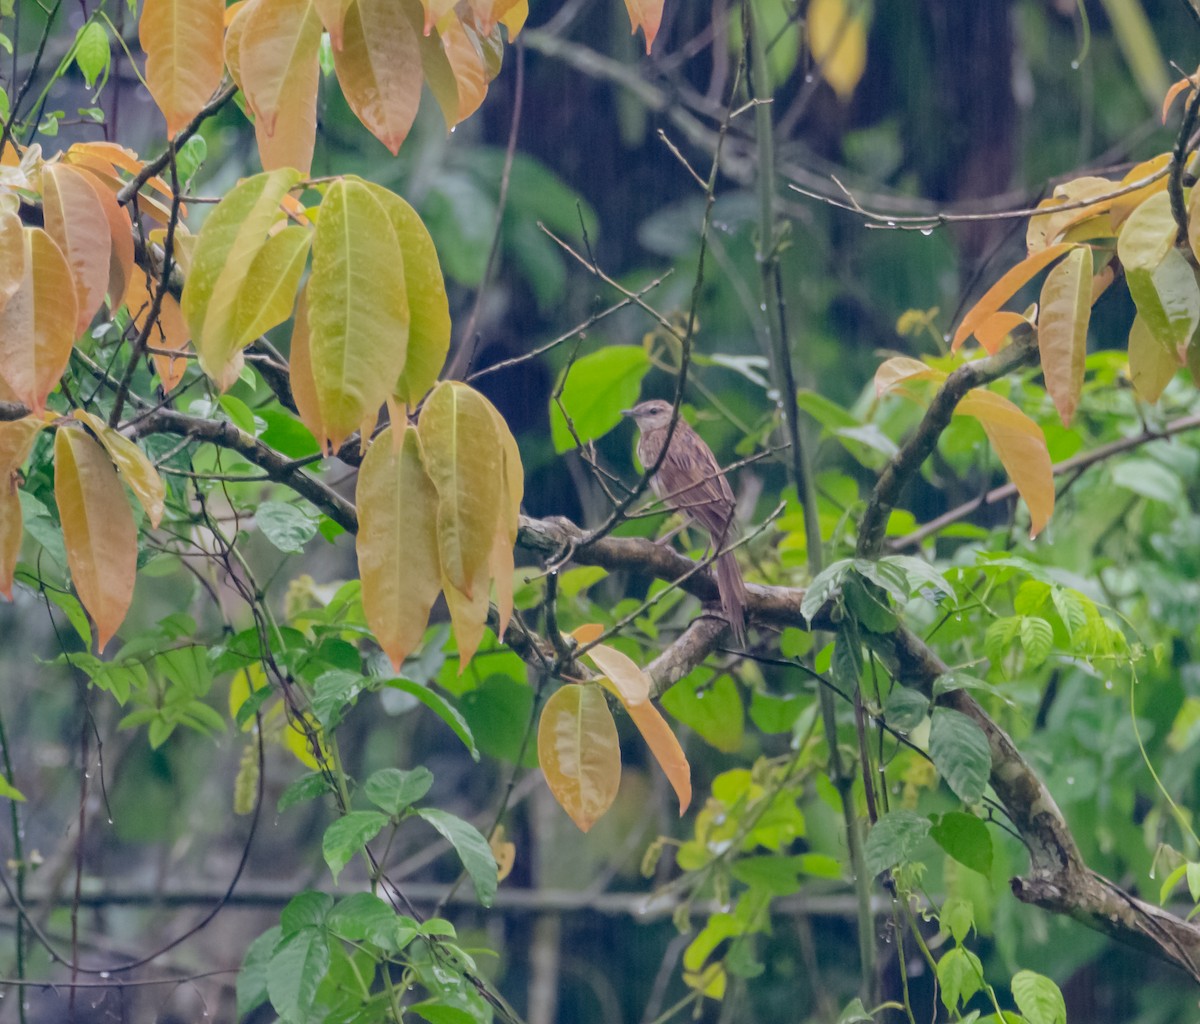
column 632, row 687
column 1154, row 168
column 120, row 237
column 182, row 41
column 468, row 615
column 587, row 633
column 397, row 542
column 579, row 753
column 98, row 529
column 304, row 389
column 333, row 17
column 136, row 470
column 1021, row 447
column 514, row 18
column 504, row 851
column 992, row 333
column 379, row 68
column 1005, row 289
column 1063, row 328
column 78, row 224
column 277, row 57
column 37, row 326
column 646, row 15
column 1172, row 94
column 1047, row 228
column 1151, row 364
column 466, row 62
column 12, row 255
column 902, row 369
column 169, row 332
column 11, row 532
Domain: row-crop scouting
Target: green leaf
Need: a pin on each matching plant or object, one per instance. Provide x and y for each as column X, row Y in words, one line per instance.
column 307, row 909
column 1000, row 634
column 287, row 527
column 846, row 663
column 822, row 587
column 869, row 605
column 715, row 711
column 498, row 711
column 92, row 52
column 958, row 917
column 8, row 791
column 440, row 1013
column 597, row 387
column 894, row 839
column 394, row 791
column 855, row 1013
column 920, row 571
column 1038, row 998
column 1167, row 300
column 307, row 787
column 363, row 916
column 1037, row 638
column 438, row 704
column 472, row 849
column 966, row 838
column 347, row 836
column 960, row 753
column 333, row 691
column 252, row 978
column 960, row 975
column 296, row 971
column 905, row 708
column 1150, row 479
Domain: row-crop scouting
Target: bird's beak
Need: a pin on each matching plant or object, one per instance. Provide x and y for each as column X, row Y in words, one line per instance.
column 626, row 412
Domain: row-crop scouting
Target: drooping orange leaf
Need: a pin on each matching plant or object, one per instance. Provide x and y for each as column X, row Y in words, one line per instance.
column 16, row 441
column 1193, row 219
column 1063, row 328
column 837, row 37
column 466, row 62
column 632, row 687
column 105, row 158
column 98, row 529
column 1155, row 168
column 333, row 17
column 357, row 309
column 236, row 20
column 11, row 531
column 379, row 68
column 169, row 332
column 579, row 753
column 489, row 13
column 182, row 42
column 1151, row 365
column 1173, row 93
column 135, row 468
column 465, row 459
column 646, row 15
column 37, row 326
column 231, row 239
column 12, row 255
column 278, row 62
column 514, row 18
column 902, row 369
column 1047, row 228
column 438, row 72
column 504, row 851
column 1005, row 289
column 468, row 614
column 1021, row 447
column 435, row 12
column 304, row 388
column 397, row 543
column 120, row 238
column 587, row 633
column 992, row 333
column 77, row 222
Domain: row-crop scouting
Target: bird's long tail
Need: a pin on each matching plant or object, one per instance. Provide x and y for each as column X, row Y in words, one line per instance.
column 733, row 595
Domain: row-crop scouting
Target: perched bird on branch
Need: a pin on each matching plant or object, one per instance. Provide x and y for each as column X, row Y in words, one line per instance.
column 690, row 481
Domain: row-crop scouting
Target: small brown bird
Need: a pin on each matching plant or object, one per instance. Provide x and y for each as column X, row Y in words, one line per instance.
column 691, row 482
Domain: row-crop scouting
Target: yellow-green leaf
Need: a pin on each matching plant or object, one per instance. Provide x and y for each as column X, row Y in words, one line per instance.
column 1167, row 299
column 12, row 255
column 578, row 752
column 632, row 687
column 1151, row 365
column 37, row 326
column 901, row 370
column 277, row 56
column 268, row 294
column 1063, row 327
column 464, row 457
column 379, row 68
column 428, row 307
column 1155, row 169
column 182, row 40
column 468, row 615
column 1046, row 228
column 135, row 468
column 1021, row 447
column 98, row 529
column 230, row 241
column 79, row 226
column 397, row 543
column 357, row 309
column 1148, row 234
column 837, row 37
column 1006, row 288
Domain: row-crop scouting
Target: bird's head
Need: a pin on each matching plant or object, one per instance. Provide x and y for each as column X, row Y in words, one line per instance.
column 652, row 415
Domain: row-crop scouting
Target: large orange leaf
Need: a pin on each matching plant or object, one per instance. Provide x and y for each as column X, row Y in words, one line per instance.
column 170, row 331
column 436, row 67
column 16, row 439
column 1151, row 364
column 12, row 255
column 1005, row 289
column 397, row 543
column 135, row 468
column 121, row 269
column 277, row 58
column 646, row 15
column 37, row 326
column 1021, row 447
column 837, row 37
column 230, row 241
column 357, row 309
column 1063, row 328
column 304, row 388
column 465, row 55
column 1047, row 228
column 379, row 68
column 333, row 17
column 992, row 333
column 1124, row 205
column 579, row 753
column 468, row 614
column 501, row 561
column 632, row 687
column 182, row 41
column 98, row 529
column 77, row 222
column 428, row 307
column 465, row 459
